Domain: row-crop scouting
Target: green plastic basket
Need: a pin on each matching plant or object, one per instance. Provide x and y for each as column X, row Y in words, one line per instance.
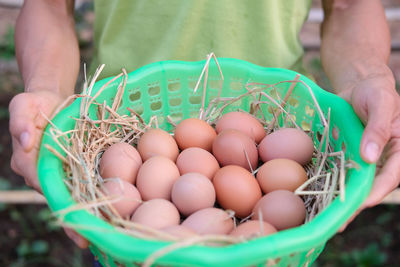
column 166, row 88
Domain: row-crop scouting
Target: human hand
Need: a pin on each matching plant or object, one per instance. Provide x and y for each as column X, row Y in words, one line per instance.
column 26, row 127
column 377, row 104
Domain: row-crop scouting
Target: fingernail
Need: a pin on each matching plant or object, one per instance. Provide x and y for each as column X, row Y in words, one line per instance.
column 372, row 152
column 24, row 139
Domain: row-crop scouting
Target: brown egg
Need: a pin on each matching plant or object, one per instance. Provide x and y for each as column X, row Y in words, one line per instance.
column 157, row 142
column 198, row 160
column 279, row 174
column 237, row 189
column 179, row 231
column 194, row 132
column 210, row 221
column 156, row 178
column 231, row 147
column 129, row 195
column 120, row 160
column 283, row 209
column 243, row 122
column 288, row 143
column 252, row 229
column 156, row 213
column 192, row 192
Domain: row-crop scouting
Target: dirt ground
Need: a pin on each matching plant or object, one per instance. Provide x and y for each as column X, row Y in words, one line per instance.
column 30, row 237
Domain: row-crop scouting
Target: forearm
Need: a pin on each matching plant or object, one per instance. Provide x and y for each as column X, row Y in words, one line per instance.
column 46, row 46
column 355, row 42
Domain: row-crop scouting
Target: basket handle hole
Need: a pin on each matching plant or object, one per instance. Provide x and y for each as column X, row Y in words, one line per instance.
column 335, row 133
column 138, row 109
column 236, row 86
column 156, row 105
column 195, row 99
column 175, row 102
column 134, row 96
column 309, row 111
column 176, row 117
column 154, row 90
column 306, row 126
column 214, row 84
column 319, row 137
column 293, row 102
column 173, row 87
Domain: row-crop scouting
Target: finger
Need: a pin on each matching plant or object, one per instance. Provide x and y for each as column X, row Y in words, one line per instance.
column 78, row 239
column 378, row 130
column 385, row 182
column 28, row 171
column 22, row 120
column 24, row 164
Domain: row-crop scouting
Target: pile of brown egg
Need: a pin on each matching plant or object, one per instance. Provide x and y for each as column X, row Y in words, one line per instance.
column 198, row 180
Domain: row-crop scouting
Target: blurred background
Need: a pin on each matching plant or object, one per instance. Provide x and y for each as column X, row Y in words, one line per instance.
column 30, row 237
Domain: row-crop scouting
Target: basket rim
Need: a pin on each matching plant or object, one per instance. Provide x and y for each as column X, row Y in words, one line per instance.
column 302, row 238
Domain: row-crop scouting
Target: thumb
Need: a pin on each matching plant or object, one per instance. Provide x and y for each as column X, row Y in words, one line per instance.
column 377, row 132
column 22, row 118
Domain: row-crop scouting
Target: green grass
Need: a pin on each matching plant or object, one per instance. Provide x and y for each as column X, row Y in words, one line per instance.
column 7, row 47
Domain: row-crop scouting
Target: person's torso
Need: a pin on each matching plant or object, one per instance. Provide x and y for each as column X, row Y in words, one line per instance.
column 132, row 33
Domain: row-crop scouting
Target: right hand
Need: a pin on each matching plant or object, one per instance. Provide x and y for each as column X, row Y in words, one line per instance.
column 26, row 127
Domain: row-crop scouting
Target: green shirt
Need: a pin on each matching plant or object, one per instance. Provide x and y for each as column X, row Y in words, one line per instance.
column 132, row 33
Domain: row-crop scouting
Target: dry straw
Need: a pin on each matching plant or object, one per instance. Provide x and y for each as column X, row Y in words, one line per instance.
column 84, row 146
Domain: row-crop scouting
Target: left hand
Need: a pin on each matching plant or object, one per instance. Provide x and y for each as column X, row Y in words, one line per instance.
column 377, row 104
column 26, row 127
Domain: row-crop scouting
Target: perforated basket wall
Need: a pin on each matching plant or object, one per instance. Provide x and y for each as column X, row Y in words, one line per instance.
column 166, row 88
